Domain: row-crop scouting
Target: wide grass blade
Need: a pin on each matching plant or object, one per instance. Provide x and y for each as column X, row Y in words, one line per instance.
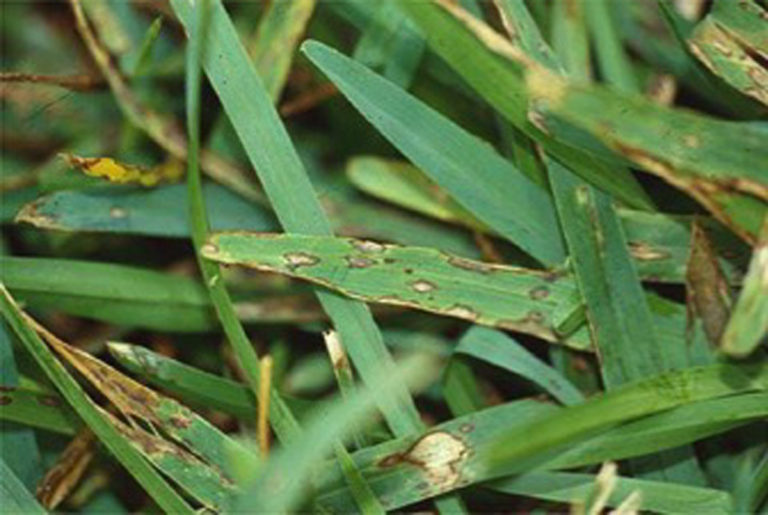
column 421, row 278
column 721, row 164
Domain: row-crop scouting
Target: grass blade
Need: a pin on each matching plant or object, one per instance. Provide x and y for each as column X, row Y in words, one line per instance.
column 656, row 496
column 499, row 195
column 16, row 498
column 719, row 163
column 497, row 348
column 748, row 325
column 415, row 277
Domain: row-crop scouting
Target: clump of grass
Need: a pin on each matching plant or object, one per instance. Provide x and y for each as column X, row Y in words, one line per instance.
column 475, row 256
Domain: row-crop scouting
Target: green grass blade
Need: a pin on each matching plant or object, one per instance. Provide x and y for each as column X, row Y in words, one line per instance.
column 513, row 452
column 748, row 324
column 113, row 293
column 31, row 408
column 615, row 65
column 570, row 38
column 387, row 468
column 522, row 28
column 497, row 348
column 190, row 384
column 282, row 174
column 16, row 498
column 150, row 480
column 498, row 194
column 366, row 500
column 719, row 163
column 656, row 496
column 620, row 321
column 20, row 449
column 156, row 212
column 280, row 29
column 420, row 278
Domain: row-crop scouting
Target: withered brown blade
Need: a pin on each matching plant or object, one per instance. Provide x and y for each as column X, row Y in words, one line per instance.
column 69, row 468
column 708, row 294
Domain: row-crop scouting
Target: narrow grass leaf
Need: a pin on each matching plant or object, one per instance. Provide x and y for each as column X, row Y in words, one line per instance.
column 656, row 496
column 366, row 500
column 113, row 293
column 615, row 64
column 522, row 28
column 34, row 409
column 280, row 29
column 466, row 167
column 499, row 349
column 619, row 318
column 16, row 498
column 748, row 325
column 142, row 471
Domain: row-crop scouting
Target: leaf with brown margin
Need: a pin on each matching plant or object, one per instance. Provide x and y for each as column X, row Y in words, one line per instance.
column 69, row 468
column 748, row 325
column 519, row 299
column 722, row 53
column 731, row 41
column 707, row 290
column 136, row 400
column 722, row 164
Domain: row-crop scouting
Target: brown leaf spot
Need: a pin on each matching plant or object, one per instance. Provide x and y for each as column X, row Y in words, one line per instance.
column 368, row 246
column 440, row 456
column 295, row 260
column 48, row 400
column 539, row 293
column 423, row 286
column 5, row 400
column 180, row 422
column 359, row 262
column 7, row 388
column 468, row 264
column 644, row 252
column 117, row 212
column 462, row 311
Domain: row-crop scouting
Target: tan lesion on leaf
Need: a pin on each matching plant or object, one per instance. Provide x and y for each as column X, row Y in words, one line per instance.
column 440, row 455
